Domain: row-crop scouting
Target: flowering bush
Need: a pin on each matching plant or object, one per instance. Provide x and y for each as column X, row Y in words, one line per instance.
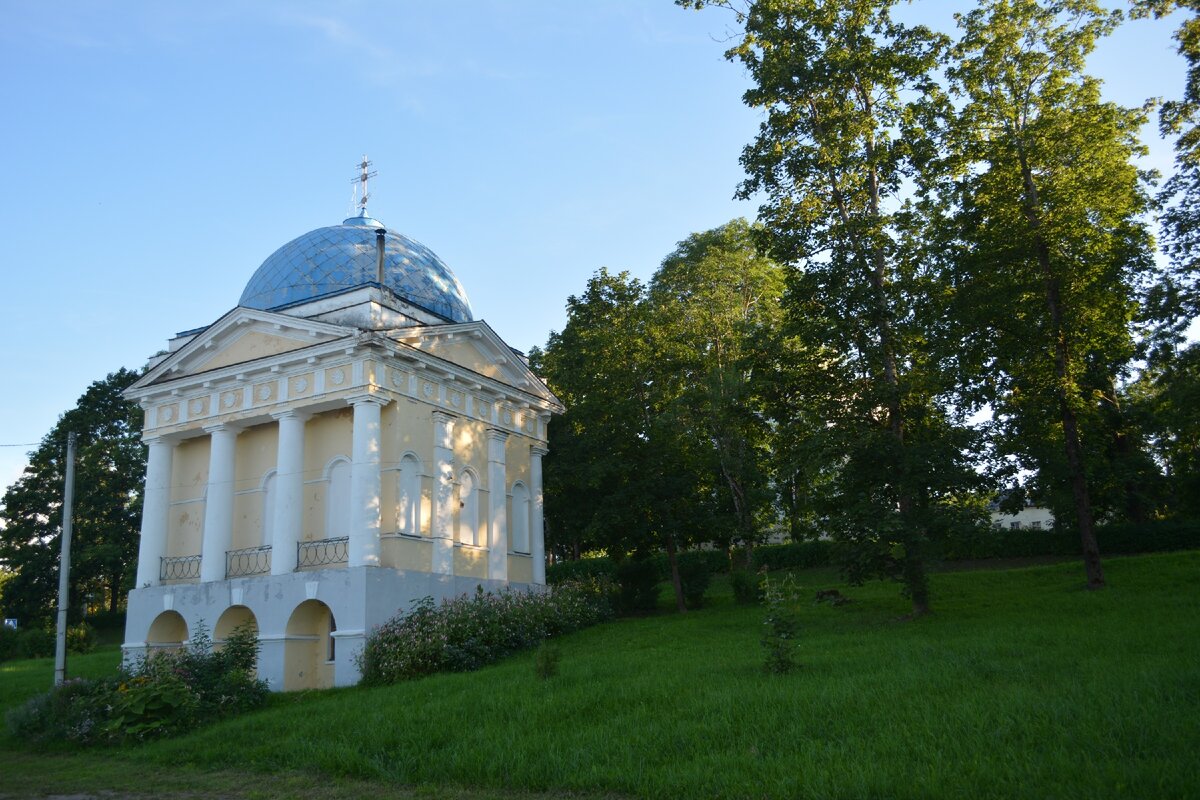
column 468, row 632
column 163, row 693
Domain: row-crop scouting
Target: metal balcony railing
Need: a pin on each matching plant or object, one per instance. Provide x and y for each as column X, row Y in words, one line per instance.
column 248, row 561
column 179, row 568
column 322, row 552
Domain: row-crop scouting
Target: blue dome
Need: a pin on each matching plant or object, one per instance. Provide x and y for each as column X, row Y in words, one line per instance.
column 331, row 260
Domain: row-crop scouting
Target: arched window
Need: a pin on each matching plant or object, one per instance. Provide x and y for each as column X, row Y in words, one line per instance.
column 520, row 518
column 268, row 507
column 468, row 509
column 337, row 499
column 408, row 508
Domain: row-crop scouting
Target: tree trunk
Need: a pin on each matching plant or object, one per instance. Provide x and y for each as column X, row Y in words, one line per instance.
column 915, row 578
column 676, row 582
column 1062, row 360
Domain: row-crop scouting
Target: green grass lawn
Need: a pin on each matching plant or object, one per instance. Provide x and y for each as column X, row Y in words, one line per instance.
column 1021, row 684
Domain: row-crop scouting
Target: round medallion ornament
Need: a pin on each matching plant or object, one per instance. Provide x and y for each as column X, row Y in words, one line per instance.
column 456, row 400
column 228, row 399
column 168, row 413
column 508, row 418
column 301, row 384
column 338, row 377
column 427, row 389
column 264, row 392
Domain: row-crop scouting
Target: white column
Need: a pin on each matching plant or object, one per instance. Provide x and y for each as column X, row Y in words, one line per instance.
column 218, row 504
column 443, row 494
column 365, row 483
column 289, row 492
column 537, row 523
column 497, row 518
column 156, row 506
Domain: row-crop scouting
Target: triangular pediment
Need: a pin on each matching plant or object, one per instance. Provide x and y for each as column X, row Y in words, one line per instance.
column 243, row 336
column 476, row 347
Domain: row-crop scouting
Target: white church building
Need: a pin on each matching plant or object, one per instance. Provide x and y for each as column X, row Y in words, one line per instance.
column 345, row 441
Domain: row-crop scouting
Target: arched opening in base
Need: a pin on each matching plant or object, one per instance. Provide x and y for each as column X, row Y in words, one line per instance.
column 167, row 632
column 309, row 648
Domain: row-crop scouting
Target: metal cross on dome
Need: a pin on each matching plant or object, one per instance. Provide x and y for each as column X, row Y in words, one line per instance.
column 361, row 181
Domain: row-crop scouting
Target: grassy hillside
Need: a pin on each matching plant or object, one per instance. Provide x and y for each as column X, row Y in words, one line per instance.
column 1021, row 685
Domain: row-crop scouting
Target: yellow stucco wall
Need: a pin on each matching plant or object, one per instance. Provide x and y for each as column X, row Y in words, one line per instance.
column 463, row 352
column 400, row 552
column 326, row 436
column 256, row 452
column 252, row 345
column 520, row 569
column 189, row 479
column 470, row 561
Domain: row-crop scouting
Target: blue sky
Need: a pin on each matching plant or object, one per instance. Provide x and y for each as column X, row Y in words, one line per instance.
column 153, row 154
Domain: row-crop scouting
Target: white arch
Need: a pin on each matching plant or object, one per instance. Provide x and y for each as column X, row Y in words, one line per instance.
column 468, row 507
column 337, row 497
column 520, row 518
column 408, row 494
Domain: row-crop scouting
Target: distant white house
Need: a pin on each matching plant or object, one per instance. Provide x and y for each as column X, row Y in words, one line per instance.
column 1030, row 517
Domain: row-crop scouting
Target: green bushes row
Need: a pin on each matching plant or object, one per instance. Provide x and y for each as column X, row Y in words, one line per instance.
column 40, row 643
column 1123, row 539
column 469, row 632
column 164, row 693
column 637, row 580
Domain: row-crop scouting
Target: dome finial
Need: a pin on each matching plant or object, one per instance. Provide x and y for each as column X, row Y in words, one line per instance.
column 361, row 181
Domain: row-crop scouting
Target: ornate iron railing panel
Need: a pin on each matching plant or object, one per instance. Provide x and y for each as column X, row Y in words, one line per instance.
column 247, row 561
column 322, row 552
column 179, row 568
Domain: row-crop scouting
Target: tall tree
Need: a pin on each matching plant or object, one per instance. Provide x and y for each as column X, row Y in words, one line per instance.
column 1053, row 242
column 107, row 508
column 1175, row 300
column 845, row 90
column 711, row 302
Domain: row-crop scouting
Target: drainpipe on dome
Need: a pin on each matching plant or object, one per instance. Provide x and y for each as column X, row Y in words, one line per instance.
column 379, row 232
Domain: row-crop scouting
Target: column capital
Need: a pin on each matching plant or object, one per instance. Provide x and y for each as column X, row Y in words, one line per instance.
column 368, row 398
column 221, row 427
column 151, row 439
column 442, row 416
column 291, row 413
column 495, row 434
column 538, row 450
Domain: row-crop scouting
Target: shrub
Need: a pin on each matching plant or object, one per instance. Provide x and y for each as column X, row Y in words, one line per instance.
column 695, row 574
column 638, row 580
column 10, row 643
column 468, row 632
column 747, row 587
column 781, row 625
column 796, row 555
column 81, row 638
column 164, row 693
column 603, row 568
column 36, row 643
column 716, row 561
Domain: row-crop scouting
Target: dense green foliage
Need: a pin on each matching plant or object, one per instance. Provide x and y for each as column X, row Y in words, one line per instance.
column 110, row 465
column 1039, row 690
column 661, row 446
column 468, row 632
column 164, row 694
